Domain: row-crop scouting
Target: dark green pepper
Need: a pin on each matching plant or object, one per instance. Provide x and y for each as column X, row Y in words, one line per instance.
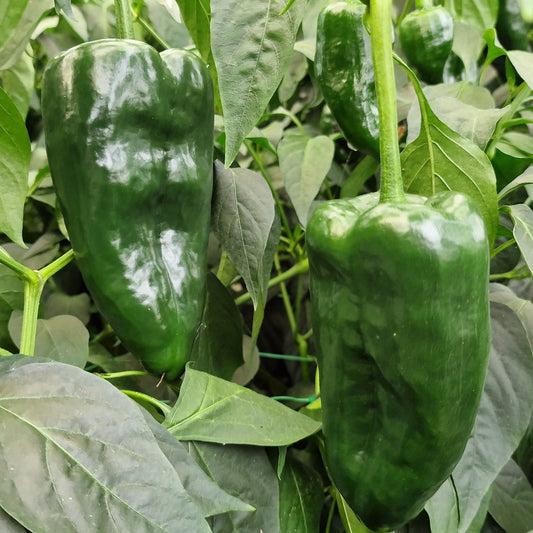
column 511, row 28
column 426, row 35
column 344, row 69
column 129, row 137
column 400, row 312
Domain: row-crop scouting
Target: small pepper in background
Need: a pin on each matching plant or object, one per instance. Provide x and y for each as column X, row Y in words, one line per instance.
column 129, row 136
column 426, row 36
column 511, row 28
column 345, row 73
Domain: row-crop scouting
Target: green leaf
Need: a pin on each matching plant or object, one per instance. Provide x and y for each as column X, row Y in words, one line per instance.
column 304, row 162
column 206, row 494
column 246, row 473
column 246, row 224
column 443, row 510
column 11, row 299
column 252, row 46
column 65, row 6
column 61, row 338
column 482, row 15
column 15, row 150
column 167, row 22
column 17, row 81
column 351, row 523
column 196, row 15
column 465, row 108
column 296, row 73
column 93, row 462
column 506, row 403
column 9, row 524
column 523, row 63
column 217, row 348
column 511, row 504
column 468, row 45
column 78, row 305
column 526, row 178
column 441, row 159
column 300, row 498
column 213, row 410
column 19, row 18
column 523, row 231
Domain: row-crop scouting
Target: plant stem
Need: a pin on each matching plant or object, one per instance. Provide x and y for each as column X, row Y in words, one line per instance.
column 32, row 296
column 141, row 397
column 423, row 4
column 298, row 268
column 148, row 28
column 381, row 38
column 287, row 357
column 124, row 22
column 27, row 274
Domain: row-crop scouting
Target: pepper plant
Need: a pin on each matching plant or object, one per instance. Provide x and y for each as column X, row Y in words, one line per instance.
column 250, row 268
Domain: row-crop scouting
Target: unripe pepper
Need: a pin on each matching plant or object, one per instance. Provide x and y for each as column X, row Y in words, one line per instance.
column 511, row 28
column 426, row 35
column 129, row 137
column 344, row 70
column 400, row 313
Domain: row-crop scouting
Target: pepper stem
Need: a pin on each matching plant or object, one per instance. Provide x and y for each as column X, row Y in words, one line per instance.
column 381, row 38
column 124, row 21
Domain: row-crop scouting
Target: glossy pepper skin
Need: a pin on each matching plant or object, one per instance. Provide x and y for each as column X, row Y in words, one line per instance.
column 345, row 73
column 511, row 28
column 129, row 140
column 426, row 36
column 400, row 311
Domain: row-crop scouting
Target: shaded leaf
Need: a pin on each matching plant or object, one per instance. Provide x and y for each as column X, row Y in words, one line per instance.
column 505, row 407
column 245, row 222
column 522, row 216
column 9, row 524
column 167, row 21
column 217, row 348
column 252, row 46
column 511, row 504
column 15, row 153
column 296, row 73
column 207, row 495
column 246, row 473
column 523, row 63
column 17, row 81
column 213, row 410
column 304, row 162
column 77, row 455
column 11, row 299
column 77, row 305
column 526, row 178
column 443, row 510
column 61, row 338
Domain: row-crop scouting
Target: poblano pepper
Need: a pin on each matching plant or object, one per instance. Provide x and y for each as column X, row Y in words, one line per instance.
column 426, row 35
column 511, row 28
column 345, row 73
column 400, row 312
column 129, row 137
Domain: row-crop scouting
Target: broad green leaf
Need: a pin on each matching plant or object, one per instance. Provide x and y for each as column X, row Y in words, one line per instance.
column 246, row 224
column 246, row 473
column 300, row 498
column 15, row 151
column 11, row 299
column 523, row 63
column 511, row 504
column 506, row 404
column 217, row 348
column 304, row 162
column 17, row 81
column 196, row 16
column 61, row 338
column 9, row 524
column 526, row 178
column 295, row 74
column 443, row 510
column 351, row 523
column 168, row 23
column 468, row 45
column 211, row 409
column 516, row 144
column 522, row 216
column 93, row 462
column 78, row 305
column 252, row 46
column 19, row 18
column 440, row 159
column 205, row 493
column 482, row 15
column 465, row 108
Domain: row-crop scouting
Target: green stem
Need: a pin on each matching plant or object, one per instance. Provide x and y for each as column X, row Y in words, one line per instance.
column 49, row 270
column 311, row 399
column 502, row 247
column 148, row 28
column 124, row 374
column 124, row 22
column 295, row 270
column 32, row 296
column 141, row 397
column 381, row 38
column 287, row 357
column 423, row 4
column 25, row 273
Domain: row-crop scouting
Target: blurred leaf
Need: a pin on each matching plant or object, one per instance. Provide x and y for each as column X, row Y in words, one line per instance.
column 511, row 504
column 304, row 162
column 61, row 338
column 250, row 69
column 294, row 75
column 526, row 178
column 213, row 410
column 11, row 299
column 93, row 462
column 15, row 153
column 9, row 524
column 522, row 216
column 506, row 403
column 167, row 22
column 523, row 63
column 17, row 81
column 77, row 305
